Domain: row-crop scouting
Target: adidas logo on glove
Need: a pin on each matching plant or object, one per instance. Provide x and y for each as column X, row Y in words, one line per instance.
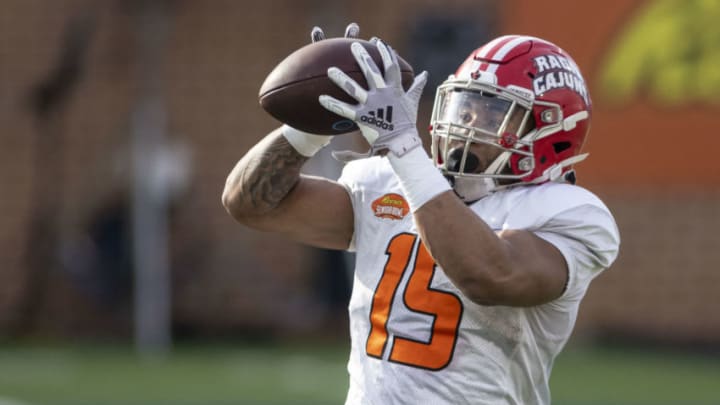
column 381, row 118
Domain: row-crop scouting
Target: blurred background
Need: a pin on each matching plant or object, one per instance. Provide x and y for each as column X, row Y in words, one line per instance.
column 123, row 280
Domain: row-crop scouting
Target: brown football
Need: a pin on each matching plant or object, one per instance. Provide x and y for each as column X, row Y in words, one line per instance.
column 290, row 92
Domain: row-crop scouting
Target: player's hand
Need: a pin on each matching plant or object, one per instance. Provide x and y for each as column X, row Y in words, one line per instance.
column 385, row 113
column 351, row 31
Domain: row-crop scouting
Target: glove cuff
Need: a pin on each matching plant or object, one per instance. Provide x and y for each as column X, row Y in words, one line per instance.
column 305, row 143
column 398, row 143
column 419, row 179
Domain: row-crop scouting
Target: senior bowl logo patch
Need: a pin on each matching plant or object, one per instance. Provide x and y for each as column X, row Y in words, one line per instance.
column 390, row 206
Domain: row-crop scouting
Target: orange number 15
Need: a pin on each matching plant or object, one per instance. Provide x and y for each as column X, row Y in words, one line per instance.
column 444, row 307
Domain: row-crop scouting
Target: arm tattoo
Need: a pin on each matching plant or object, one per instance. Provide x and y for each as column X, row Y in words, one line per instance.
column 267, row 174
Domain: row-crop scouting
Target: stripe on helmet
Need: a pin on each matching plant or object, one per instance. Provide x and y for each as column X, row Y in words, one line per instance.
column 490, row 48
column 498, row 48
column 494, row 45
column 506, row 48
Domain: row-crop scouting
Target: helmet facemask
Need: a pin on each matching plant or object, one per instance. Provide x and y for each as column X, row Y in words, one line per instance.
column 476, row 129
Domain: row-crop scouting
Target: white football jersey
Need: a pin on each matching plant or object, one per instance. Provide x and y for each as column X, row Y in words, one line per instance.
column 416, row 339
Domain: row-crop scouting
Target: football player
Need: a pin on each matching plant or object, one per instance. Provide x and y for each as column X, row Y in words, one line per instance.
column 471, row 261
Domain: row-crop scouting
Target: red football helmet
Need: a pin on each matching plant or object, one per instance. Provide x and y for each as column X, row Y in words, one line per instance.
column 523, row 95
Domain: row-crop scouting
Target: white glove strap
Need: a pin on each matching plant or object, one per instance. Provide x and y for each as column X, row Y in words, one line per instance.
column 306, row 144
column 398, row 143
column 419, row 178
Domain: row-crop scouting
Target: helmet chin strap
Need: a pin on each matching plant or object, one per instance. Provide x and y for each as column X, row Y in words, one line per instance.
column 470, row 189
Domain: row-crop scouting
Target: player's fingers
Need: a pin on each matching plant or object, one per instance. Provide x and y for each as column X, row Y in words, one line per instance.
column 338, row 107
column 352, row 30
column 415, row 91
column 390, row 64
column 345, row 82
column 394, row 55
column 317, row 34
column 372, row 73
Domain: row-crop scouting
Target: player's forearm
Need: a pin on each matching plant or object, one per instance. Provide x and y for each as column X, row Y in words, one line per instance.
column 468, row 250
column 262, row 178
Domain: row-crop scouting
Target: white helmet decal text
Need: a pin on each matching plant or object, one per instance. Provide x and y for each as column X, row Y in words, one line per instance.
column 555, row 72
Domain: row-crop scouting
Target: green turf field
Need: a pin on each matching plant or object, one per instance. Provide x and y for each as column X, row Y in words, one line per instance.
column 262, row 375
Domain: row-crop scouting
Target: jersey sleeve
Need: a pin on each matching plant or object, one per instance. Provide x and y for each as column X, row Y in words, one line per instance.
column 588, row 239
column 581, row 227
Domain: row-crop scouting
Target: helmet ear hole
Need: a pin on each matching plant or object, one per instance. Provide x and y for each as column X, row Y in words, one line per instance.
column 561, row 146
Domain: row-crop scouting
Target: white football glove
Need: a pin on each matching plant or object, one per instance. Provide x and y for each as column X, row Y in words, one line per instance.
column 385, row 113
